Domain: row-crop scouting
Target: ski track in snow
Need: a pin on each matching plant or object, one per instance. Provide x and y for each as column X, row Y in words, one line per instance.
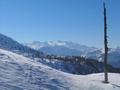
column 21, row 73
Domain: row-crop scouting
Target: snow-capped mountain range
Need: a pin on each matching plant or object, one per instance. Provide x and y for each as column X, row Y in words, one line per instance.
column 61, row 48
column 67, row 48
column 58, row 48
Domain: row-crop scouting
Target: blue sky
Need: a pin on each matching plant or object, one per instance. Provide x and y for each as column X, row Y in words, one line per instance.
column 51, row 20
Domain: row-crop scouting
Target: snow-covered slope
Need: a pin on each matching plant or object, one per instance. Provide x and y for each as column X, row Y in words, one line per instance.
column 20, row 73
column 80, row 66
column 8, row 43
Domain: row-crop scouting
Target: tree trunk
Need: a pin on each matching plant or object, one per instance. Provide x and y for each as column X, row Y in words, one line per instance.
column 105, row 47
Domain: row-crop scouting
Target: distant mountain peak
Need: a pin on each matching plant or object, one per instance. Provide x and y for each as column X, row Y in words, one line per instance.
column 57, row 43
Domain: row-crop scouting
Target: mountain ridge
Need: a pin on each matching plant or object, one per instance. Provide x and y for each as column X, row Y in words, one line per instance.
column 10, row 44
column 66, row 48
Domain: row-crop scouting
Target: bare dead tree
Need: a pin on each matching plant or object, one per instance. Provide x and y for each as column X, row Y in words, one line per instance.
column 105, row 46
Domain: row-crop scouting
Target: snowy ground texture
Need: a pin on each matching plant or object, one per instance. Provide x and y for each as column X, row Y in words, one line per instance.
column 20, row 73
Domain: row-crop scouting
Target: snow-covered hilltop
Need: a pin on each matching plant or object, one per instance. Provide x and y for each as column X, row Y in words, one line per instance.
column 20, row 73
column 74, row 49
column 8, row 43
